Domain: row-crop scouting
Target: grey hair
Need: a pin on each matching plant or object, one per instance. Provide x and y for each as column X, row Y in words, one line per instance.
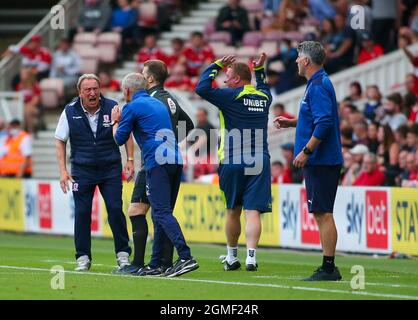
column 372, row 156
column 314, row 51
column 87, row 76
column 134, row 82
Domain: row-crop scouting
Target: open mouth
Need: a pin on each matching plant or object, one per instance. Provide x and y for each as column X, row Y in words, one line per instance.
column 92, row 99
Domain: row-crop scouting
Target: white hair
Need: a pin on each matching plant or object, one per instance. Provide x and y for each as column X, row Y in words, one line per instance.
column 134, row 82
column 87, row 76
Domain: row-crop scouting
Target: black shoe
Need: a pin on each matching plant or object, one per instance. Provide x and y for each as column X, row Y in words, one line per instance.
column 233, row 266
column 181, row 267
column 251, row 267
column 321, row 275
column 148, row 271
column 131, row 269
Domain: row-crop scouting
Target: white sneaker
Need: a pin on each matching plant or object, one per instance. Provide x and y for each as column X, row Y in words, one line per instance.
column 122, row 259
column 83, row 263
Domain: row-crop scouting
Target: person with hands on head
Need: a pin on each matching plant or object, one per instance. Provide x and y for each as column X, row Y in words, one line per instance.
column 95, row 162
column 318, row 150
column 244, row 169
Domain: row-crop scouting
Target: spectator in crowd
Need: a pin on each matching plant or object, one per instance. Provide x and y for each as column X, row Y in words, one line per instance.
column 277, row 172
column 348, row 162
column 177, row 47
column 125, row 22
column 29, row 86
column 322, row 9
column 196, row 55
column 347, row 138
column 400, row 136
column 388, row 153
column 271, row 6
column 107, row 84
column 94, row 16
column 370, row 174
column 392, row 112
column 412, row 138
column 291, row 14
column 282, row 68
column 17, row 159
column 150, row 51
column 356, row 95
column 66, row 64
column 233, row 18
column 340, row 46
column 179, row 79
column 413, row 114
column 360, row 133
column 204, row 136
column 369, row 50
column 404, row 174
column 3, row 136
column 280, row 111
column 411, row 85
column 386, row 18
column 410, row 175
column 353, row 171
column 373, row 102
column 33, row 56
column 291, row 174
column 372, row 130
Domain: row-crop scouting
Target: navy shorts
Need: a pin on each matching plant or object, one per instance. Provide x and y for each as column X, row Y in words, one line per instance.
column 321, row 187
column 139, row 195
column 253, row 192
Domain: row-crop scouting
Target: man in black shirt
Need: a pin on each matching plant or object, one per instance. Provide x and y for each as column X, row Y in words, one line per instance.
column 234, row 19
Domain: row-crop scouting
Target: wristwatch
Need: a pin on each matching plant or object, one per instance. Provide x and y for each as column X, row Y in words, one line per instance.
column 307, row 151
column 113, row 123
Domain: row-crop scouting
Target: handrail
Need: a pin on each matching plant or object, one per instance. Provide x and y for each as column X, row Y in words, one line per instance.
column 9, row 66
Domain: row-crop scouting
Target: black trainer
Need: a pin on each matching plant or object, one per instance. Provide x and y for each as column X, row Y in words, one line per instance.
column 181, row 267
column 148, row 271
column 321, row 275
column 251, row 267
column 130, row 269
column 236, row 265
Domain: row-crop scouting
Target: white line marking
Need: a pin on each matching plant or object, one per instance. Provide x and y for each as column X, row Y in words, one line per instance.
column 265, row 285
column 74, row 263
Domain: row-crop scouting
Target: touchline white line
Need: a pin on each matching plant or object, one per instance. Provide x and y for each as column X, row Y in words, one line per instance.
column 265, row 285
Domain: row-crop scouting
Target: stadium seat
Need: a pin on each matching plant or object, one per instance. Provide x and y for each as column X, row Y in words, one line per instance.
column 90, row 60
column 253, row 6
column 147, row 14
column 269, row 47
column 210, row 27
column 246, row 52
column 82, row 47
column 108, row 46
column 224, row 51
column 89, row 38
column 295, row 36
column 273, row 36
column 252, row 38
column 221, row 36
column 52, row 90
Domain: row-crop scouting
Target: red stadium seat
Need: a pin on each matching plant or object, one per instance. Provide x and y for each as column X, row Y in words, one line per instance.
column 247, row 52
column 252, row 38
column 89, row 38
column 90, row 60
column 273, row 36
column 220, row 36
column 52, row 90
column 210, row 27
column 108, row 46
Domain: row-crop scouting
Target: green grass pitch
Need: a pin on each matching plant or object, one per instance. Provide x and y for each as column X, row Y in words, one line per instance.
column 26, row 261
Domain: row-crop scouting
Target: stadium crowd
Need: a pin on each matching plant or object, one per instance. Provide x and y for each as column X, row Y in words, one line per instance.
column 377, row 128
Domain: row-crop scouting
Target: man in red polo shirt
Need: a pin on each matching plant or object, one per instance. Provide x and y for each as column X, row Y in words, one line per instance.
column 196, row 55
column 369, row 49
column 150, row 51
column 34, row 56
column 370, row 174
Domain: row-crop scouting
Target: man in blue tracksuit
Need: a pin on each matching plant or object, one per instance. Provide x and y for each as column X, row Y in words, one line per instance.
column 318, row 150
column 150, row 122
column 95, row 161
column 244, row 170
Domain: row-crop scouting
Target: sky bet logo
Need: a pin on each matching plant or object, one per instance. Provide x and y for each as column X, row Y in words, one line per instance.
column 290, row 210
column 355, row 217
column 377, row 219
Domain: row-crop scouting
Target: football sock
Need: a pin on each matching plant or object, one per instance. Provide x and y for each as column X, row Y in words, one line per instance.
column 251, row 256
column 328, row 264
column 140, row 235
column 232, row 254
